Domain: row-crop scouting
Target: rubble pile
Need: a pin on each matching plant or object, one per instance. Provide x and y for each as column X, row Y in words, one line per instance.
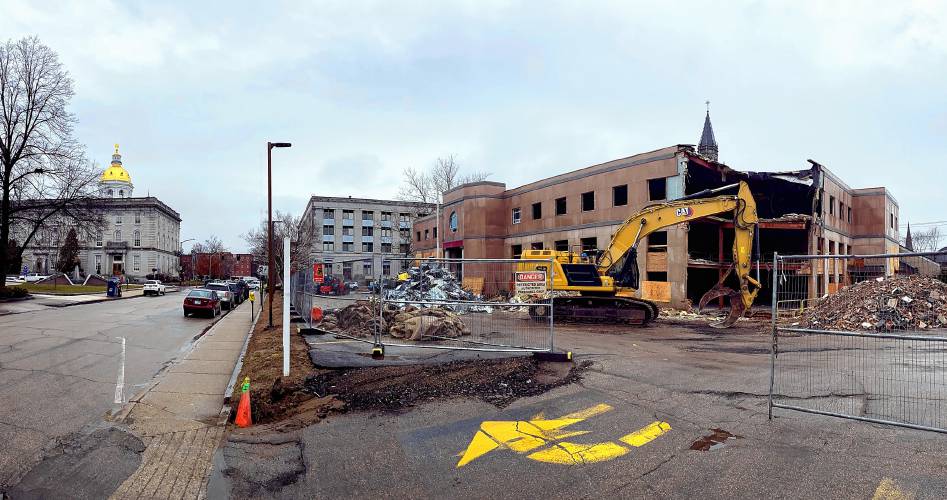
column 428, row 283
column 357, row 320
column 882, row 304
column 411, row 323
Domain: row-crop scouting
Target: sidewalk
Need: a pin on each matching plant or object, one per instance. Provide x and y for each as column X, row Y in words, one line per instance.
column 179, row 417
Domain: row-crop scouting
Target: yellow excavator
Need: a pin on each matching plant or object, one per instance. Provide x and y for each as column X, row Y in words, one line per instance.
column 607, row 282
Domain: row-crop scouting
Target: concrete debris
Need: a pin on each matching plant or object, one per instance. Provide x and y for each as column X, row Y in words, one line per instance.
column 898, row 303
column 427, row 283
column 411, row 323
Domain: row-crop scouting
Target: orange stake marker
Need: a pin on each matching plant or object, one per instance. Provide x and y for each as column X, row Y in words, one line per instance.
column 243, row 409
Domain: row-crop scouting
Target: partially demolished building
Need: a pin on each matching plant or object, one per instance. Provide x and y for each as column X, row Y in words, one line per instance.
column 807, row 211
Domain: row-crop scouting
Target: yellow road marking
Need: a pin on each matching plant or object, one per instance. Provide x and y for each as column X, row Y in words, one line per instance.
column 524, row 436
column 646, row 435
column 888, row 489
column 573, row 453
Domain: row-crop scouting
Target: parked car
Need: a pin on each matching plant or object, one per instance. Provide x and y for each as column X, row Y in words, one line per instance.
column 227, row 299
column 34, row 277
column 333, row 286
column 202, row 300
column 353, row 285
column 253, row 283
column 244, row 289
column 238, row 297
column 13, row 279
column 153, row 287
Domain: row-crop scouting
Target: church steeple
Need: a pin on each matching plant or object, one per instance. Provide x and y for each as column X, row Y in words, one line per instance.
column 708, row 144
column 908, row 242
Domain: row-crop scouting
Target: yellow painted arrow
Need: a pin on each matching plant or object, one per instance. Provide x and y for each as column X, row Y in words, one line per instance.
column 523, row 436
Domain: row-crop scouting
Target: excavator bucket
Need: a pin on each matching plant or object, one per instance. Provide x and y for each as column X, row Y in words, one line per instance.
column 737, row 308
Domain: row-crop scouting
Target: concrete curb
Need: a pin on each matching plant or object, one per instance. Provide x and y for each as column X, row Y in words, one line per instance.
column 239, row 366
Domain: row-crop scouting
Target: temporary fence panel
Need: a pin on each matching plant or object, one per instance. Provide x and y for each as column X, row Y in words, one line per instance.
column 323, row 294
column 862, row 337
column 483, row 304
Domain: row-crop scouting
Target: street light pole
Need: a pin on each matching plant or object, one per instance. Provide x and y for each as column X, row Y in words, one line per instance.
column 269, row 223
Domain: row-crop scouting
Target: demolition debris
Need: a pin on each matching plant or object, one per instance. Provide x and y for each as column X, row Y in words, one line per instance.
column 883, row 304
column 427, row 284
column 411, row 323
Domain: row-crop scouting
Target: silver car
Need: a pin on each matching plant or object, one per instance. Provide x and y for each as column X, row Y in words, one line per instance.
column 226, row 296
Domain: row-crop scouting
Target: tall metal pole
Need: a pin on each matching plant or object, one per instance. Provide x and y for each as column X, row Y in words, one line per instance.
column 269, row 229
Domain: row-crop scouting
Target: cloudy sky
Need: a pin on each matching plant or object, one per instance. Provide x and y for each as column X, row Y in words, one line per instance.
column 193, row 90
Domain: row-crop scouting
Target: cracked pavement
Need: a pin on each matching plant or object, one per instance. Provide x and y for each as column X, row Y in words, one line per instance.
column 692, row 377
column 59, row 367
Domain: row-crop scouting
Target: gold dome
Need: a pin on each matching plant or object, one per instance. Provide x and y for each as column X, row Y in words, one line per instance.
column 116, row 172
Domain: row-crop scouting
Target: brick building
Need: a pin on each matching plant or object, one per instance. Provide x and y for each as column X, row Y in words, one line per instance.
column 806, row 211
column 217, row 265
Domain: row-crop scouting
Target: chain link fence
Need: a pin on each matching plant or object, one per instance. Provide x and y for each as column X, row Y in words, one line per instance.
column 489, row 305
column 861, row 337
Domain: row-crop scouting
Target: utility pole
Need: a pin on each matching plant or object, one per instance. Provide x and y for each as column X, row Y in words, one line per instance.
column 269, row 224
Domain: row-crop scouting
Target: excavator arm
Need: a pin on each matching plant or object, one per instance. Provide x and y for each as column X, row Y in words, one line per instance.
column 619, row 260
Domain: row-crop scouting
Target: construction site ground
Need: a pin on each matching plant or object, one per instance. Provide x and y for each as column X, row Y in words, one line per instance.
column 673, row 410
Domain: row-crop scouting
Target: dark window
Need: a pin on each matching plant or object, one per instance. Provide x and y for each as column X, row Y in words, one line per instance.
column 329, row 230
column 419, row 235
column 657, row 189
column 849, row 214
column 368, row 231
column 405, row 248
column 367, row 247
column 588, row 201
column 427, row 234
column 620, row 195
column 536, row 245
column 657, row 276
column 841, row 209
column 386, row 247
column 889, row 215
column 347, row 246
column 517, row 251
column 658, row 241
column 516, row 215
column 831, row 205
column 435, row 231
column 560, row 206
column 589, row 243
column 537, row 210
column 562, row 245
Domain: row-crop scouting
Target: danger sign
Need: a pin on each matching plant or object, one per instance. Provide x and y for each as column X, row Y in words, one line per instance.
column 530, row 282
column 318, row 273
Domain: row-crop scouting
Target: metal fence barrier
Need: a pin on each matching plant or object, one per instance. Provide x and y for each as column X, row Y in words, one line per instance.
column 861, row 337
column 473, row 304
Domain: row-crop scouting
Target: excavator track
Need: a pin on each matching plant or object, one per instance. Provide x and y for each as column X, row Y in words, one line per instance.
column 591, row 309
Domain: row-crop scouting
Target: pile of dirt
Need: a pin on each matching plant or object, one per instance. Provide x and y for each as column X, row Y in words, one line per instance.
column 498, row 382
column 411, row 323
column 895, row 303
column 273, row 397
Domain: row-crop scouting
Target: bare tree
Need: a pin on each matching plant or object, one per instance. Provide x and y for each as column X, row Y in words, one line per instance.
column 45, row 178
column 926, row 240
column 444, row 175
column 213, row 245
column 284, row 224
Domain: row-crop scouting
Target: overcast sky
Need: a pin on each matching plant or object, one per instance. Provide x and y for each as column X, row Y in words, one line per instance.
column 193, row 90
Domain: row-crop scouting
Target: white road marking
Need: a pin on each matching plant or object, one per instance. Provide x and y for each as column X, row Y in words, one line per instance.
column 120, row 384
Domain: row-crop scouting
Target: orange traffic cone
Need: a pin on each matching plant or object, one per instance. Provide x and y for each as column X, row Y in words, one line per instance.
column 243, row 409
column 316, row 313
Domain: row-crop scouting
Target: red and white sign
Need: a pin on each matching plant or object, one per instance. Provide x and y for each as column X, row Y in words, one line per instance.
column 530, row 282
column 318, row 273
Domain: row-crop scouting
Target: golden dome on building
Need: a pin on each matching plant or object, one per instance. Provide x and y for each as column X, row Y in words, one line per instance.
column 116, row 172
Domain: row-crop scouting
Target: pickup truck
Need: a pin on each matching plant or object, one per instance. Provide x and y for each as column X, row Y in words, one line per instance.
column 153, row 287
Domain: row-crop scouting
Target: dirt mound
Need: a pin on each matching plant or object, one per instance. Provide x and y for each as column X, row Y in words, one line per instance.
column 411, row 323
column 895, row 303
column 499, row 382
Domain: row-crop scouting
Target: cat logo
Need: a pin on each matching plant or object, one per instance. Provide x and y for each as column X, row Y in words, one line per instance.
column 684, row 211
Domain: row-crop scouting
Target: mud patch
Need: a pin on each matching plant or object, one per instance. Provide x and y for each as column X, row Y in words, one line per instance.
column 498, row 382
column 717, row 439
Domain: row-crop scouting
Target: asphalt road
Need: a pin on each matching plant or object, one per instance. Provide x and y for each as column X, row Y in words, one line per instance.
column 59, row 369
column 649, row 401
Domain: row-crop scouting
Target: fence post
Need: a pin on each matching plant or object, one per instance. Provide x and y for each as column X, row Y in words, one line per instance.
column 552, row 328
column 772, row 348
column 286, row 283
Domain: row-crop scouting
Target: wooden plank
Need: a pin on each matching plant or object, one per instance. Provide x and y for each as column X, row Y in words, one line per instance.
column 474, row 284
column 657, row 262
column 657, row 291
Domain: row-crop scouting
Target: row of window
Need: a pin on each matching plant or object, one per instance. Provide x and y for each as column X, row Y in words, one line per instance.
column 136, row 263
column 657, row 242
column 329, row 246
column 366, row 215
column 427, row 234
column 119, row 218
column 657, row 190
column 841, row 209
column 386, row 232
